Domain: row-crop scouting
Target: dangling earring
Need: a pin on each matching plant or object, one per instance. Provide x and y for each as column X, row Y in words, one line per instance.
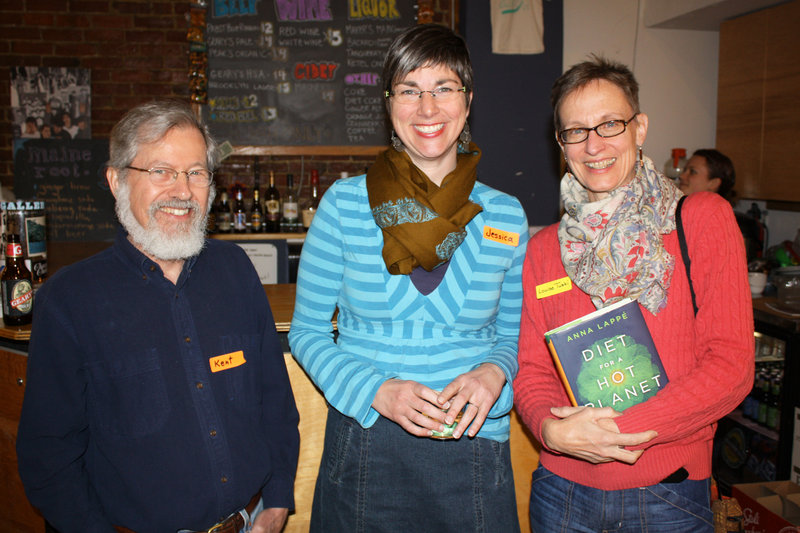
column 639, row 158
column 397, row 144
column 464, row 139
column 466, row 136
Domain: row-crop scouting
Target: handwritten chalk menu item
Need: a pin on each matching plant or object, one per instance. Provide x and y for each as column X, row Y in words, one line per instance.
column 70, row 177
column 295, row 73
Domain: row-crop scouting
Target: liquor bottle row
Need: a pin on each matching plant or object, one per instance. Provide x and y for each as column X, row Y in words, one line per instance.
column 763, row 404
column 276, row 213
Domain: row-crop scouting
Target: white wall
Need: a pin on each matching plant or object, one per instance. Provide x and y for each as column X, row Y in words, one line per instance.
column 676, row 69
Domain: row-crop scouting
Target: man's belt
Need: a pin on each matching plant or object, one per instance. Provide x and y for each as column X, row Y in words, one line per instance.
column 233, row 524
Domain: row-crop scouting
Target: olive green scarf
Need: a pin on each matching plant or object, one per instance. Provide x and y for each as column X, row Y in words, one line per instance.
column 422, row 224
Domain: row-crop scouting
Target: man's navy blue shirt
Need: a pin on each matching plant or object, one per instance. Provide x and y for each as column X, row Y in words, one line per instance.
column 152, row 405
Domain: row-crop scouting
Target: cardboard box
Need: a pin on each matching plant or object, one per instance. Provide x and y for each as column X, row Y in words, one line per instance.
column 770, row 506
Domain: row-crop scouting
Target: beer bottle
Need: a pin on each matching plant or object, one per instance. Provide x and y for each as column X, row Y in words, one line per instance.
column 272, row 202
column 290, row 211
column 311, row 205
column 211, row 219
column 17, row 286
column 239, row 213
column 256, row 214
column 224, row 215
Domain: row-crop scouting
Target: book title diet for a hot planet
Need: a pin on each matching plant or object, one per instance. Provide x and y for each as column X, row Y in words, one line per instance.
column 618, row 370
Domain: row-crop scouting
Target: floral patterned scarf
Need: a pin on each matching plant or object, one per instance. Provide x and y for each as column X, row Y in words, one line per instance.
column 612, row 248
column 422, row 224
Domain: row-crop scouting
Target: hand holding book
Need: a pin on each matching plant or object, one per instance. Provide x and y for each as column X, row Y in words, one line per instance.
column 591, row 434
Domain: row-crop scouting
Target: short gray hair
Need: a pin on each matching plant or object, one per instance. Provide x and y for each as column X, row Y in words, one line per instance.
column 582, row 74
column 150, row 122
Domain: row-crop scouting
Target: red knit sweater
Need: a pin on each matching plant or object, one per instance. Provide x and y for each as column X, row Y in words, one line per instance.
column 709, row 359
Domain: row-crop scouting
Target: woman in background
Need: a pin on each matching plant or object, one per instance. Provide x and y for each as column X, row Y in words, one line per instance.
column 709, row 170
column 648, row 468
column 424, row 265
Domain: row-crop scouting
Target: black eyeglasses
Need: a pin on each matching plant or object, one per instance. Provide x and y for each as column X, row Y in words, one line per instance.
column 163, row 176
column 610, row 128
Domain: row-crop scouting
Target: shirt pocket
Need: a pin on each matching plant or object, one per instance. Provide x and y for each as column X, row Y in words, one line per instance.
column 128, row 396
column 242, row 383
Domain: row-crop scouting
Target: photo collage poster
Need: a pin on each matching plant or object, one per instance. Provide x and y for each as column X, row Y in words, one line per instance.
column 51, row 103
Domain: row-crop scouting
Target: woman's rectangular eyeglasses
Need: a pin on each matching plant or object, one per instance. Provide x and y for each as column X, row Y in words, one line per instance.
column 610, row 128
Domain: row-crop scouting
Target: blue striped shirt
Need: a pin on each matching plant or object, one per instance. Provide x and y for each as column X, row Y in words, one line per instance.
column 386, row 327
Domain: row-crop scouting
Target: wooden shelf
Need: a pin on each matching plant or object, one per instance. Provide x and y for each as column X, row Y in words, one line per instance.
column 309, row 150
column 257, row 236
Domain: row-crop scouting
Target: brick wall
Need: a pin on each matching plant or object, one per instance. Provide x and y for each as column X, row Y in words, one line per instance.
column 136, row 50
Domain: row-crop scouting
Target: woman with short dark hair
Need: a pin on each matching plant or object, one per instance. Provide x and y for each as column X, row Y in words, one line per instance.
column 423, row 263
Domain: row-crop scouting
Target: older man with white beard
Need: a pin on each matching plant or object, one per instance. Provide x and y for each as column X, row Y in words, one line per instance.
column 157, row 396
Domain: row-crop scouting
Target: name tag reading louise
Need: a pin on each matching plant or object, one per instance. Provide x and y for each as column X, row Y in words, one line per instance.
column 554, row 287
column 226, row 361
column 498, row 235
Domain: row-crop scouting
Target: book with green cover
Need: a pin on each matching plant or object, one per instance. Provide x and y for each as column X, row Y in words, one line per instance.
column 607, row 358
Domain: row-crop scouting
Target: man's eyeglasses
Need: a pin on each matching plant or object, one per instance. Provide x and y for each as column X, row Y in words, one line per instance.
column 162, row 176
column 611, row 128
column 411, row 96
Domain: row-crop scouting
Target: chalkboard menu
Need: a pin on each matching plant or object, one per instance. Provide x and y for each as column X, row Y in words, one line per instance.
column 295, row 73
column 70, row 177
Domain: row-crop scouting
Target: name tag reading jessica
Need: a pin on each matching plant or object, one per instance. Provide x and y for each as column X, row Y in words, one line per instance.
column 498, row 235
column 226, row 361
column 554, row 287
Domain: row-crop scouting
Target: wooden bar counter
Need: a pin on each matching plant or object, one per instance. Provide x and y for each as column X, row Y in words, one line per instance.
column 19, row 516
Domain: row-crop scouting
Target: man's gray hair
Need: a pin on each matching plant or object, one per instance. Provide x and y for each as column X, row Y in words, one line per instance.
column 150, row 122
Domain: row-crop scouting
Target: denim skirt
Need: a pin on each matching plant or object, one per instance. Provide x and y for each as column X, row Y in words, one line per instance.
column 383, row 479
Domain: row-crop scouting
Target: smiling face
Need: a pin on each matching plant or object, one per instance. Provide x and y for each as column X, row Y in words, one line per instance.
column 697, row 177
column 601, row 164
column 429, row 128
column 164, row 222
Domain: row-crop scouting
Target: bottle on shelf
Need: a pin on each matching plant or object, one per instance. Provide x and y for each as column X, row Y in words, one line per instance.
column 272, row 204
column 774, row 405
column 256, row 214
column 239, row 213
column 17, row 285
column 256, row 211
column 311, row 204
column 290, row 221
column 211, row 219
column 224, row 214
column 675, row 164
column 763, row 401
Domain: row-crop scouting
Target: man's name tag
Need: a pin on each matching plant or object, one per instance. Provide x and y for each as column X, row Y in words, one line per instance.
column 226, row 361
column 553, row 287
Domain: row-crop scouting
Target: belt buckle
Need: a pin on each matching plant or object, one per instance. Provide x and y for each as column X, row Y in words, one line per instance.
column 216, row 527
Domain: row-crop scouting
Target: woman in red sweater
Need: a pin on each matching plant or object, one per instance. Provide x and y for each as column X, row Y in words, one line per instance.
column 647, row 469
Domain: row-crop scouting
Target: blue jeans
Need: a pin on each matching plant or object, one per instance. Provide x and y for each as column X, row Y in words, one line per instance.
column 382, row 480
column 560, row 506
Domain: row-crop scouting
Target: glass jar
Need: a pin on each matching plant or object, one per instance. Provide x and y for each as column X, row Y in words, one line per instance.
column 787, row 281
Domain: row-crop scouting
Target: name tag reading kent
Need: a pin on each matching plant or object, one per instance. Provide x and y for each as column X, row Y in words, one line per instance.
column 226, row 361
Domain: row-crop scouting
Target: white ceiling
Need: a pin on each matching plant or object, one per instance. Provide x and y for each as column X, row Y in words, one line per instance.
column 705, row 15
